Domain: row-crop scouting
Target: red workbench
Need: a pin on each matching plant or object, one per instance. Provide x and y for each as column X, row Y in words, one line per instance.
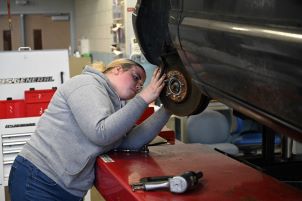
column 224, row 179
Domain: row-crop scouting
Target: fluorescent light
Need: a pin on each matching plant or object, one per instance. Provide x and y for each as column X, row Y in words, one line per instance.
column 60, row 18
column 22, row 2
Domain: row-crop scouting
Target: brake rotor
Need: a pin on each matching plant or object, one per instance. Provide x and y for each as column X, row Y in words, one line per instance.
column 180, row 96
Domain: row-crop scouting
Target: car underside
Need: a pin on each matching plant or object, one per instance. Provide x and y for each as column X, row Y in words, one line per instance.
column 245, row 54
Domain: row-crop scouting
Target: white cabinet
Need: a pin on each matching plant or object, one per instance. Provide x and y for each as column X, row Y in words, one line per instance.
column 21, row 71
column 14, row 134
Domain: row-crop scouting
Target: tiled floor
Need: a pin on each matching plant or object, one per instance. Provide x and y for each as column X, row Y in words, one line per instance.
column 95, row 195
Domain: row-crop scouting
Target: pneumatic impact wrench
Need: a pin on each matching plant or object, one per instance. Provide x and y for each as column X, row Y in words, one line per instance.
column 175, row 184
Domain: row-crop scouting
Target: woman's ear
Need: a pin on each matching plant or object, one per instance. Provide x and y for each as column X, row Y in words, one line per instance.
column 116, row 70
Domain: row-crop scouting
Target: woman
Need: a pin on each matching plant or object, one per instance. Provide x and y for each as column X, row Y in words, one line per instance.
column 86, row 117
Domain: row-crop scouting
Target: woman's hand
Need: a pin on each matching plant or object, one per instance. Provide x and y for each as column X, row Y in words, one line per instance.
column 152, row 91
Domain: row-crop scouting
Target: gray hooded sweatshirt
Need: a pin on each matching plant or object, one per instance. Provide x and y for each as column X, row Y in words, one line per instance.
column 84, row 119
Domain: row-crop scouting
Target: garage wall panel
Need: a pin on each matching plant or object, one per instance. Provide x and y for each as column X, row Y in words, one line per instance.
column 93, row 21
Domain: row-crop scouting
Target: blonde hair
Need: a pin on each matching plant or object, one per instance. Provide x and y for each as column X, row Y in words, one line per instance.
column 99, row 65
column 125, row 63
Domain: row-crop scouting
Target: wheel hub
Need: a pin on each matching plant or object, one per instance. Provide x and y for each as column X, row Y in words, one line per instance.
column 176, row 86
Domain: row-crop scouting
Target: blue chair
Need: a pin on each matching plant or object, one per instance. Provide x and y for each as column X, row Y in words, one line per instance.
column 212, row 129
column 248, row 136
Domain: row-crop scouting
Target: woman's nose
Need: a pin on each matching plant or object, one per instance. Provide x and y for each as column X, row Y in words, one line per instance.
column 139, row 87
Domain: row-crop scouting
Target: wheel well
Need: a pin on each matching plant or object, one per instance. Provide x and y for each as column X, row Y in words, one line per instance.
column 151, row 28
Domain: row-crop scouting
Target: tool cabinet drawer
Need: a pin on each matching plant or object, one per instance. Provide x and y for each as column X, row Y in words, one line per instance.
column 14, row 133
column 11, row 146
column 9, row 158
column 12, row 139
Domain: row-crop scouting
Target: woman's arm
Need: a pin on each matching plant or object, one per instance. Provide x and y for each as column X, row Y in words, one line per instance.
column 146, row 131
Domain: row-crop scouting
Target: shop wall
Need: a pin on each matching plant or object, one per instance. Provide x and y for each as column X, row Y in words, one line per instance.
column 38, row 7
column 55, row 34
column 15, row 31
column 91, row 19
column 93, row 22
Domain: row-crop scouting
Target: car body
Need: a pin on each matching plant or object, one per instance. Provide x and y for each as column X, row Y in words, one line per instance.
column 244, row 53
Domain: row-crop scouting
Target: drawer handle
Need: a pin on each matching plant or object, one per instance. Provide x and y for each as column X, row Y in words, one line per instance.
column 14, row 140
column 8, row 162
column 13, row 143
column 16, row 135
column 11, row 152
